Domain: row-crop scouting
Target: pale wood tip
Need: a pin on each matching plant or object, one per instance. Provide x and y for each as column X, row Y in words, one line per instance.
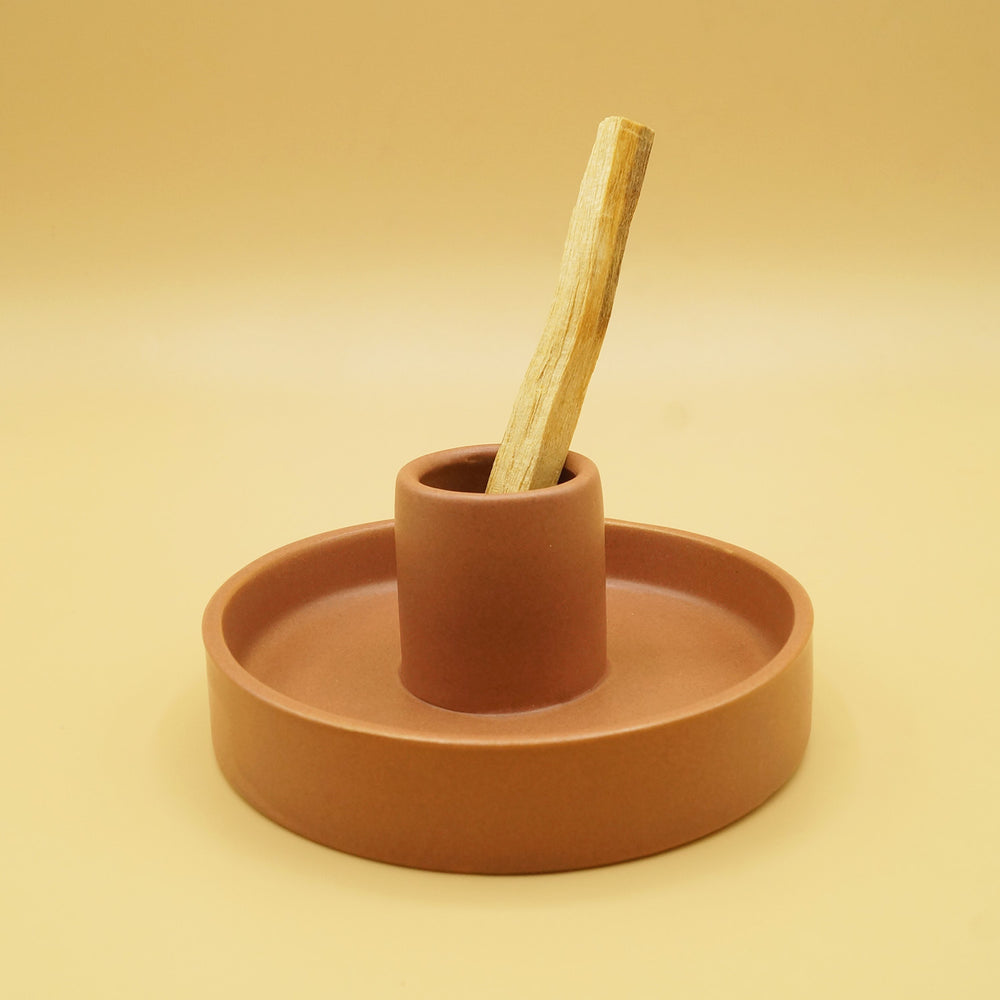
column 621, row 124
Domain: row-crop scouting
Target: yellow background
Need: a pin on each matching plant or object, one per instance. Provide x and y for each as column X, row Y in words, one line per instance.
column 255, row 256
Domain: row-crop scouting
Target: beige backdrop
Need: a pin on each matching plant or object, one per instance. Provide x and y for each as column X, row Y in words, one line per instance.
column 255, row 256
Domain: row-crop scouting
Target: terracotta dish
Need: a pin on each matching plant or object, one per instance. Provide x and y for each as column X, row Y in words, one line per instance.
column 485, row 707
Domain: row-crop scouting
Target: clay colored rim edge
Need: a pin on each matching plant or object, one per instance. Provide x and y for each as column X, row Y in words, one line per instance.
column 222, row 657
column 583, row 470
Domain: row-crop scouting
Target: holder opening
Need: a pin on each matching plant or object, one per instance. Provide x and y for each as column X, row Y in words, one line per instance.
column 470, row 475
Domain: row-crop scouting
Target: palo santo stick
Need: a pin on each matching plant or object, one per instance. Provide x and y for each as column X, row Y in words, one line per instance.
column 546, row 410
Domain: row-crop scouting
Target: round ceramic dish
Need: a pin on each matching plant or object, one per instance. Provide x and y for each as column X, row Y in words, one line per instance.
column 703, row 711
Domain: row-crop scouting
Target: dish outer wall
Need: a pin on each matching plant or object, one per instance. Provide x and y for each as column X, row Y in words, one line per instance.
column 703, row 714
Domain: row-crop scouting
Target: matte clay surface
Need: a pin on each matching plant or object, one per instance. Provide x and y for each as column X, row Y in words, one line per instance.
column 704, row 711
column 502, row 597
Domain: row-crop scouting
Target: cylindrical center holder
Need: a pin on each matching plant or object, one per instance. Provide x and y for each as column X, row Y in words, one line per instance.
column 501, row 596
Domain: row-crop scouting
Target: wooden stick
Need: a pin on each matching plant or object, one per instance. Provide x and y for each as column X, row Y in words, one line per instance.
column 548, row 405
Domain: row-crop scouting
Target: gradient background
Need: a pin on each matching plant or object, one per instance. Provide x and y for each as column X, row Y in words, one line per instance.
column 256, row 256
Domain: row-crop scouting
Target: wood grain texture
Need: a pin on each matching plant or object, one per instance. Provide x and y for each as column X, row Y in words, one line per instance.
column 547, row 407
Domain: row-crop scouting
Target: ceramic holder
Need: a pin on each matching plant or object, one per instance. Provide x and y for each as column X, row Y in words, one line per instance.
column 502, row 598
column 507, row 683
